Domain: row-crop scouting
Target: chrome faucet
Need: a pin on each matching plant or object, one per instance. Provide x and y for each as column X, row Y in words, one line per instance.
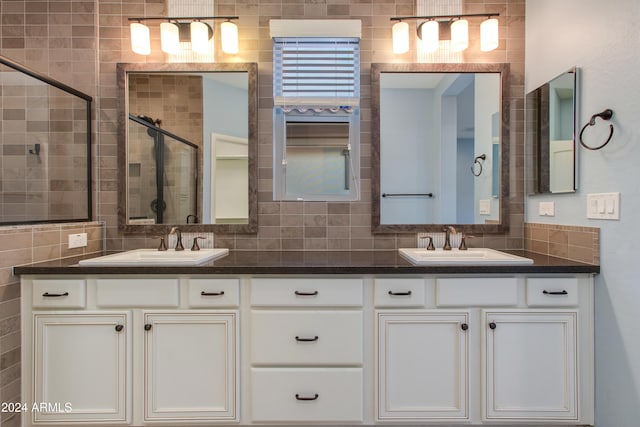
column 447, row 234
column 176, row 231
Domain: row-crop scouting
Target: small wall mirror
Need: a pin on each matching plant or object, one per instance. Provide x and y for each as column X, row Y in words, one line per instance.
column 439, row 147
column 188, row 147
column 550, row 128
column 45, row 148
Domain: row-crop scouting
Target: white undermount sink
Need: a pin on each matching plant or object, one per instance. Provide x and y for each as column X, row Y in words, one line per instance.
column 151, row 257
column 472, row 256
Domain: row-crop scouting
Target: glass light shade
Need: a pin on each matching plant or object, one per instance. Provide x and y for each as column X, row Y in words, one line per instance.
column 459, row 35
column 229, row 37
column 199, row 37
column 169, row 37
column 489, row 34
column 430, row 35
column 140, row 40
column 400, row 33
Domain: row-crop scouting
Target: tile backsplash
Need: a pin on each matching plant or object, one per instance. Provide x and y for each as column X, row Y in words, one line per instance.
column 564, row 241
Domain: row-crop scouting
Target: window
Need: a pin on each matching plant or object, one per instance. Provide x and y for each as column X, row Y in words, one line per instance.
column 316, row 84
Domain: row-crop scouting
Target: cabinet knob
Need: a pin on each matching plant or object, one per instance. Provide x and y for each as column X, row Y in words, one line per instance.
column 492, row 325
column 464, row 326
column 314, row 397
column 147, row 327
column 119, row 328
column 307, row 339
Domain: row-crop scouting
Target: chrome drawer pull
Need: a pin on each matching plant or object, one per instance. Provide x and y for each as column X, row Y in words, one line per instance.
column 211, row 294
column 48, row 295
column 555, row 292
column 315, row 397
column 407, row 293
column 306, row 294
column 307, row 339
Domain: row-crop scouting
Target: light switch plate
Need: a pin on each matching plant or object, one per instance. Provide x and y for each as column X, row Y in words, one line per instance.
column 603, row 206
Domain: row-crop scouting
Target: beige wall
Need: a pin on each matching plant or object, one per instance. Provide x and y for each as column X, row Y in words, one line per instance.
column 79, row 43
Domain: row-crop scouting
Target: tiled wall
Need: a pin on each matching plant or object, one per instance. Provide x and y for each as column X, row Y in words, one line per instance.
column 564, row 241
column 306, row 225
column 25, row 245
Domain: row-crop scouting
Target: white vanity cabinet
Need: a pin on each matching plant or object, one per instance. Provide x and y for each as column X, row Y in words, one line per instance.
column 130, row 350
column 308, row 349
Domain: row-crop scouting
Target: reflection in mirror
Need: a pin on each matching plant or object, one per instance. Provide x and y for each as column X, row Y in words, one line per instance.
column 45, row 148
column 442, row 144
column 188, row 147
column 550, row 126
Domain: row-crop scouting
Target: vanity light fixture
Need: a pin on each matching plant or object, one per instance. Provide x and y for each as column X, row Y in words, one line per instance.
column 173, row 31
column 430, row 28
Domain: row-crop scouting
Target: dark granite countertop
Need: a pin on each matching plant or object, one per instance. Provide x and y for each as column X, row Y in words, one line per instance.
column 304, row 262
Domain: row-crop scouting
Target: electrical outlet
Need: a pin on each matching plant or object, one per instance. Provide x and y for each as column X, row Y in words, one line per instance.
column 546, row 209
column 77, row 240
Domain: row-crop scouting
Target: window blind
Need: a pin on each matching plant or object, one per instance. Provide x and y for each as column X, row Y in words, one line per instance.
column 316, row 72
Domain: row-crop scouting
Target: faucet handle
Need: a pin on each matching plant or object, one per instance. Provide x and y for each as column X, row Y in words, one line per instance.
column 463, row 243
column 195, row 246
column 429, row 246
column 163, row 245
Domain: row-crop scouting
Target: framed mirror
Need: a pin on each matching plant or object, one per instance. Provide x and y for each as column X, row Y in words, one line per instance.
column 45, row 146
column 188, row 147
column 440, row 147
column 550, row 129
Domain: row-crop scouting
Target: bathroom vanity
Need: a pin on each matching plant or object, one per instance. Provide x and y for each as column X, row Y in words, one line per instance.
column 347, row 338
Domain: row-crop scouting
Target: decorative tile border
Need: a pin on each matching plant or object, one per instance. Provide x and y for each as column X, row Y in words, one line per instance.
column 565, row 241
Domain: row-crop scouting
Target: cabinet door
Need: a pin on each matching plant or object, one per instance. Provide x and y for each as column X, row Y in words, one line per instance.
column 81, row 367
column 190, row 366
column 530, row 364
column 422, row 366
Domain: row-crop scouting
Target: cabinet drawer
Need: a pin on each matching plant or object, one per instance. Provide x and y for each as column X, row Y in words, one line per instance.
column 306, row 337
column 137, row 292
column 307, row 395
column 214, row 293
column 306, row 291
column 399, row 292
column 552, row 292
column 472, row 291
column 62, row 293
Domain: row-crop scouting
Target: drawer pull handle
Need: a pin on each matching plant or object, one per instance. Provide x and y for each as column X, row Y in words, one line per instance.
column 307, row 339
column 306, row 294
column 314, row 397
column 119, row 328
column 464, row 326
column 211, row 294
column 48, row 295
column 492, row 325
column 147, row 327
column 563, row 292
column 392, row 293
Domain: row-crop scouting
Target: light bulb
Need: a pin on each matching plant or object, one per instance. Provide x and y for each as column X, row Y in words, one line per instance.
column 229, row 37
column 169, row 37
column 140, row 41
column 489, row 34
column 430, row 35
column 459, row 35
column 199, row 37
column 400, row 33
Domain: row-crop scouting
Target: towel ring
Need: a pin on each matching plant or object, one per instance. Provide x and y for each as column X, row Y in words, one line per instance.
column 605, row 115
column 477, row 161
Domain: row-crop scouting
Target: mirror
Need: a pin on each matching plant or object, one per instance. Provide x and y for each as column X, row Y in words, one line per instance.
column 440, row 147
column 45, row 148
column 550, row 129
column 188, row 147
